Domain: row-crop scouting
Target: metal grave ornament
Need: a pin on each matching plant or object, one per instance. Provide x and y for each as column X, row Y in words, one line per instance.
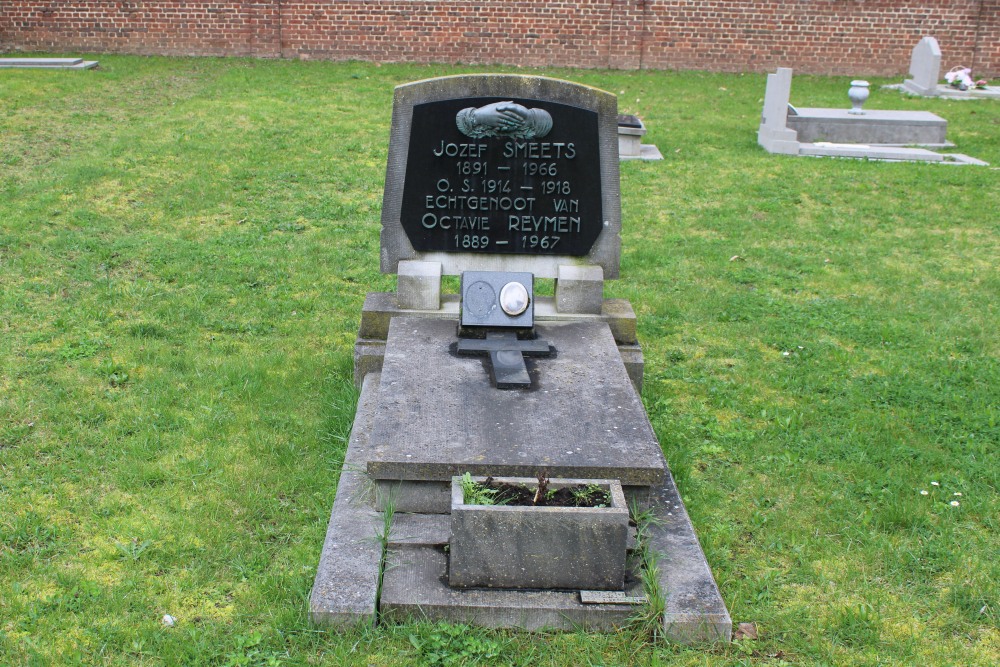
column 502, row 302
column 505, row 119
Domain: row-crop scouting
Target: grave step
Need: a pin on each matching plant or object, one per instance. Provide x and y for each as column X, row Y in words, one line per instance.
column 414, row 588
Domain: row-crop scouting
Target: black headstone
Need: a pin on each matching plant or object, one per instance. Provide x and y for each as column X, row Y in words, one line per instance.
column 497, row 176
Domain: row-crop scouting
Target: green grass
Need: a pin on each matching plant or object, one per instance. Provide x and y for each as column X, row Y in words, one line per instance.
column 185, row 246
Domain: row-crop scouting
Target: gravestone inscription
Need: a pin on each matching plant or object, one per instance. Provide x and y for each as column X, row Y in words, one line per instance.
column 503, row 176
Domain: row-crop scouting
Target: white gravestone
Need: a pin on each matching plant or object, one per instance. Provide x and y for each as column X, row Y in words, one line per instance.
column 773, row 133
column 925, row 67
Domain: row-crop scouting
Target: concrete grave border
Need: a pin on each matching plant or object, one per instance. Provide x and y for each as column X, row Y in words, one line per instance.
column 395, row 245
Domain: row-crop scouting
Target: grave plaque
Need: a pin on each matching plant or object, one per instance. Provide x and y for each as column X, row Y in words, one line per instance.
column 487, row 175
column 497, row 172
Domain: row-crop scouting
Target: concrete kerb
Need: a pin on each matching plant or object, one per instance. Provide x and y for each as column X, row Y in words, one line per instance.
column 345, row 589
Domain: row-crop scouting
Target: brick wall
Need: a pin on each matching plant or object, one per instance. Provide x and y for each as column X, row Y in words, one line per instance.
column 852, row 37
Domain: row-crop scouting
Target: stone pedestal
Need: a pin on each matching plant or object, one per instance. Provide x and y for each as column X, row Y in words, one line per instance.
column 580, row 289
column 418, row 285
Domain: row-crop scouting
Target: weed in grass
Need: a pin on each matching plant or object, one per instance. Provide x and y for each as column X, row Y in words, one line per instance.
column 443, row 644
column 29, row 533
column 132, row 549
column 80, row 349
column 648, row 621
column 382, row 536
column 248, row 652
column 856, row 625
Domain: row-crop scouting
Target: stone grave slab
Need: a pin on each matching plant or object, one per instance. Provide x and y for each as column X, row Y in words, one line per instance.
column 873, row 134
column 47, row 63
column 631, row 130
column 438, row 415
column 875, row 126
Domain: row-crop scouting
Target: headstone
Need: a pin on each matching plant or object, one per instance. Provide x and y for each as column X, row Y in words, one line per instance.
column 502, row 172
column 502, row 179
column 925, row 67
column 773, row 133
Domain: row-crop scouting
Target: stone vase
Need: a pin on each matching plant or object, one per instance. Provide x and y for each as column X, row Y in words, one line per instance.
column 508, row 546
column 858, row 93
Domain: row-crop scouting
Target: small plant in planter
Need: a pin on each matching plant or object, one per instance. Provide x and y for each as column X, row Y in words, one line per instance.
column 493, row 492
column 541, row 533
column 477, row 493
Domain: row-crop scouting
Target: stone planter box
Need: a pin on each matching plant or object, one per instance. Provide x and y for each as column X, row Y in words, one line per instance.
column 630, row 132
column 506, row 546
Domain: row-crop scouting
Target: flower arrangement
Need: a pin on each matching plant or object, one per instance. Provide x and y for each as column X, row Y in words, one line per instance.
column 961, row 78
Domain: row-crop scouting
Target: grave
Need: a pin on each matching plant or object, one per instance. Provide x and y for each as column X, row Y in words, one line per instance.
column 925, row 68
column 502, row 180
column 852, row 133
column 631, row 130
column 47, row 63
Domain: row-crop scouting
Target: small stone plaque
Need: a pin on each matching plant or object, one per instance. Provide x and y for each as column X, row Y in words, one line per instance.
column 610, row 597
column 483, row 297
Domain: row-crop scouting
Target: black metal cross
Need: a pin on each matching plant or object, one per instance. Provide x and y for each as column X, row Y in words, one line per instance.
column 506, row 355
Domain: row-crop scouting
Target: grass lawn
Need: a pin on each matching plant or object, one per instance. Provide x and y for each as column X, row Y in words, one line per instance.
column 185, row 245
